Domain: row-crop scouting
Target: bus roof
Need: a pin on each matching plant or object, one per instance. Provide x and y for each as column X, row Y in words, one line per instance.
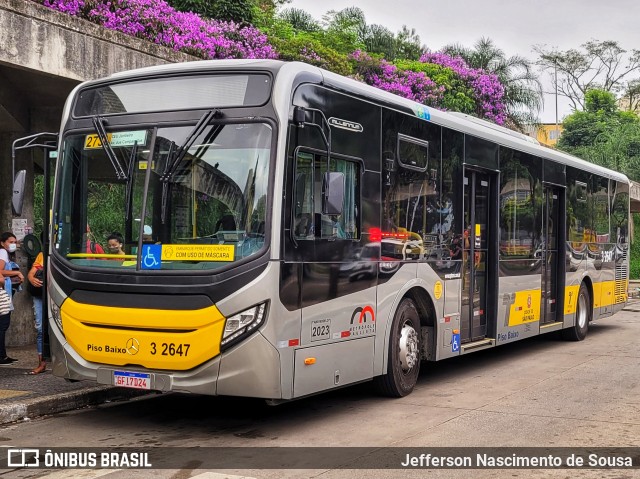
column 459, row 122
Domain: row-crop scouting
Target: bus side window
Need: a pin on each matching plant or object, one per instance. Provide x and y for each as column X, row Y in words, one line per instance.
column 308, row 220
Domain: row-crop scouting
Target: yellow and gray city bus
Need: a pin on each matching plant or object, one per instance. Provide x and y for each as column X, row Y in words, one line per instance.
column 288, row 231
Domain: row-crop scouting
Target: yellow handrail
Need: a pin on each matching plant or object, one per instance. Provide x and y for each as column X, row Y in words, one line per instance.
column 101, row 256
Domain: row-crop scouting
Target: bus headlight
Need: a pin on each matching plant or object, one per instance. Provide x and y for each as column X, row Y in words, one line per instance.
column 55, row 313
column 242, row 324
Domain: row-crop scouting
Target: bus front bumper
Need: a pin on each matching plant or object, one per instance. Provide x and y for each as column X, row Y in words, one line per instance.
column 249, row 369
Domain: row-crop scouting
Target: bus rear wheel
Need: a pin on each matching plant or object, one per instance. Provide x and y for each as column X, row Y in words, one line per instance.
column 403, row 364
column 583, row 315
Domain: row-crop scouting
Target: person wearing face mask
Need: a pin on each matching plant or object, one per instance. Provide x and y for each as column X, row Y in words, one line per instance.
column 115, row 243
column 8, row 246
column 13, row 278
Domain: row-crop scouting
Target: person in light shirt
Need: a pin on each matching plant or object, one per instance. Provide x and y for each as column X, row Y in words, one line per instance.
column 12, row 278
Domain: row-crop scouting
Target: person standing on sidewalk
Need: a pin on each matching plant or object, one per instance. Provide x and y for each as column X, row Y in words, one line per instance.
column 5, row 318
column 36, row 281
column 13, row 278
column 10, row 270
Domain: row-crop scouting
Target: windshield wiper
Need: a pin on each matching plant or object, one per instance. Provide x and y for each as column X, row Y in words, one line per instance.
column 175, row 155
column 174, row 160
column 209, row 139
column 98, row 124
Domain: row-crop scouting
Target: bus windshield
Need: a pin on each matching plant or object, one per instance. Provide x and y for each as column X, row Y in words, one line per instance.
column 200, row 204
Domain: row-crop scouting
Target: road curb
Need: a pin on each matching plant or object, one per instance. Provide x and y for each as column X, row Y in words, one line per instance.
column 31, row 408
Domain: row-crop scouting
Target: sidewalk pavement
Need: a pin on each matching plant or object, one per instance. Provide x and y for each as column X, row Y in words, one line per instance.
column 23, row 396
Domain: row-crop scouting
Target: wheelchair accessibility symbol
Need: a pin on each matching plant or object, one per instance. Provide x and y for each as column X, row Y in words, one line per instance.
column 455, row 343
column 151, row 254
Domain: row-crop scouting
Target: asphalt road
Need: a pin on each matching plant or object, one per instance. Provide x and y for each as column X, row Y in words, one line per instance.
column 541, row 392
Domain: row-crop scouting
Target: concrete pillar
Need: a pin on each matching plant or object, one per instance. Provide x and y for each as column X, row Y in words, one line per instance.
column 22, row 330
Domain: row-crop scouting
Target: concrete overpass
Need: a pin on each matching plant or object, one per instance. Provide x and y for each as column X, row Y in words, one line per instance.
column 43, row 56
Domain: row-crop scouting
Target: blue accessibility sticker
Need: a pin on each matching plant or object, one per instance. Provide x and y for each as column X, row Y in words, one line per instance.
column 151, row 254
column 455, row 343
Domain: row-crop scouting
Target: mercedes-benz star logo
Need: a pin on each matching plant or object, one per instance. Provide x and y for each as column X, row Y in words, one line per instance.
column 133, row 346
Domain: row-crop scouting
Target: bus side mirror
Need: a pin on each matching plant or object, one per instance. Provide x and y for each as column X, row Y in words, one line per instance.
column 332, row 193
column 17, row 198
column 299, row 116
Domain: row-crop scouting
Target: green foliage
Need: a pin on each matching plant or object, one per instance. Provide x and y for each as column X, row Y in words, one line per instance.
column 105, row 204
column 600, row 101
column 616, row 147
column 239, row 11
column 580, row 129
column 379, row 40
column 264, row 15
column 300, row 20
column 38, row 202
column 408, row 46
column 458, row 95
column 602, row 133
column 345, row 30
column 201, row 7
column 310, row 49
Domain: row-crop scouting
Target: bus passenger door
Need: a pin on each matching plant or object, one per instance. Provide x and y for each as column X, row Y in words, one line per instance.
column 552, row 254
column 476, row 275
column 338, row 272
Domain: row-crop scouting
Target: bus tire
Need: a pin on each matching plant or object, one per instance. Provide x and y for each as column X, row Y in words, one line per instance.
column 403, row 362
column 579, row 330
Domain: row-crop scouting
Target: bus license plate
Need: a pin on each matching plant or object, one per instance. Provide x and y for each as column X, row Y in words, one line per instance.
column 127, row 379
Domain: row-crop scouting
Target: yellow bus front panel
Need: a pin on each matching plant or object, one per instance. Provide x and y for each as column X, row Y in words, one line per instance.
column 151, row 338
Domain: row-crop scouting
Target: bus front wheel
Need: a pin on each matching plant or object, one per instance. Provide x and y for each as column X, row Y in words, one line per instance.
column 583, row 315
column 403, row 363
